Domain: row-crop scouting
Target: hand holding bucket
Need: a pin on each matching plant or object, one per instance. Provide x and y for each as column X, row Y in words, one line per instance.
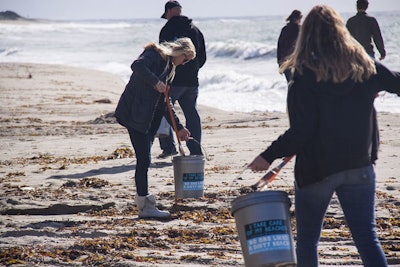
column 263, row 222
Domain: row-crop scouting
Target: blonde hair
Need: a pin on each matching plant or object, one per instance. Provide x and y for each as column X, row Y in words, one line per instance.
column 168, row 50
column 326, row 47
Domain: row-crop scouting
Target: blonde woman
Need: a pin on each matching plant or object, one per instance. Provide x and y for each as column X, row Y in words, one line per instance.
column 331, row 112
column 142, row 105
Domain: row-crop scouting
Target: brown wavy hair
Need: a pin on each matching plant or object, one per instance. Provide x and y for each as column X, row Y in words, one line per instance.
column 327, row 48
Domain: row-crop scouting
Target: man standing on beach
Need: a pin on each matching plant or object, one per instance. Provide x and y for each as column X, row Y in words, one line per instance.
column 185, row 85
column 365, row 28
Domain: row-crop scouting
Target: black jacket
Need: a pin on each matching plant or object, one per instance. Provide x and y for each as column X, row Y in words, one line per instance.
column 331, row 125
column 287, row 41
column 363, row 27
column 141, row 107
column 181, row 26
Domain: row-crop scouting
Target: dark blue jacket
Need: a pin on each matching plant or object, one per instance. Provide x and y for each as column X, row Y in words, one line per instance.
column 181, row 26
column 141, row 107
column 332, row 126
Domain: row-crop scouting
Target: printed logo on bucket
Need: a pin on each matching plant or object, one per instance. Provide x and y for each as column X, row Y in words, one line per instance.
column 267, row 236
column 193, row 181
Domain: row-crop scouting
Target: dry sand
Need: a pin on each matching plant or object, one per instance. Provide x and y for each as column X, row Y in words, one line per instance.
column 67, row 191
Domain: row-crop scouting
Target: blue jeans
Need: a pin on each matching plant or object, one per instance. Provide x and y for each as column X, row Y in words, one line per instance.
column 355, row 190
column 187, row 99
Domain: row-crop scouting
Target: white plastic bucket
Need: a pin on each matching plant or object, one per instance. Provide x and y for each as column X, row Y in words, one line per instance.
column 189, row 176
column 264, row 228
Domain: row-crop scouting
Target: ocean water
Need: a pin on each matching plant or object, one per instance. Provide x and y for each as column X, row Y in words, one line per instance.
column 240, row 74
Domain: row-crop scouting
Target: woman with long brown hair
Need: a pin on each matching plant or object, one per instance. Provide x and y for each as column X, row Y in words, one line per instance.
column 332, row 133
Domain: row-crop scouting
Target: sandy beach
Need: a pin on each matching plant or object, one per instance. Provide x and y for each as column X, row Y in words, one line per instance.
column 67, row 189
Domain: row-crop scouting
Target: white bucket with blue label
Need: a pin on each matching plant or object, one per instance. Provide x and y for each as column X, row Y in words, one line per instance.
column 189, row 176
column 264, row 228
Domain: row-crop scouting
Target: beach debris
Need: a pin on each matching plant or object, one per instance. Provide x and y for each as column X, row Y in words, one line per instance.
column 103, row 101
column 58, row 209
column 103, row 119
column 87, row 183
column 122, row 152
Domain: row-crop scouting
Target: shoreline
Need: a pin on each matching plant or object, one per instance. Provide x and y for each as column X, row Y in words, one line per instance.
column 69, row 176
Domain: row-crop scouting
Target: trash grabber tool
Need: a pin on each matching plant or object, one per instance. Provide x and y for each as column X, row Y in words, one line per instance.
column 271, row 175
column 181, row 151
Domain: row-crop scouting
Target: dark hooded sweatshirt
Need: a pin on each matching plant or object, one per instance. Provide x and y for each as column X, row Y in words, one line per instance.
column 363, row 27
column 332, row 126
column 178, row 27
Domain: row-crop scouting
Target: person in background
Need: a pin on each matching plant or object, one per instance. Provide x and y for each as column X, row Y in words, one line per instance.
column 287, row 39
column 365, row 28
column 331, row 115
column 142, row 106
column 185, row 86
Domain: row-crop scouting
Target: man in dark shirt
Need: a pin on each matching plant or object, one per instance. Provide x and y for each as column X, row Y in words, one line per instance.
column 365, row 28
column 184, row 87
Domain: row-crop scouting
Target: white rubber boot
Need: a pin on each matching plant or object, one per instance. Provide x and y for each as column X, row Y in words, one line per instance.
column 147, row 207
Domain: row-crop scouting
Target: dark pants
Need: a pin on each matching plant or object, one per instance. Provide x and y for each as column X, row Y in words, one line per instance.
column 187, row 99
column 142, row 145
column 167, row 143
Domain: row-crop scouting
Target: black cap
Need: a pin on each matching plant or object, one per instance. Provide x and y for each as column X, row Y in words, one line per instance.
column 169, row 5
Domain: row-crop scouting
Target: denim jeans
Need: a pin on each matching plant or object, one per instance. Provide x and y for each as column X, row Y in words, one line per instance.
column 142, row 145
column 355, row 190
column 187, row 99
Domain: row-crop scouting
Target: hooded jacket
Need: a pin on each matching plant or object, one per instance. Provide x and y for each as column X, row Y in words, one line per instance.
column 140, row 106
column 178, row 27
column 332, row 126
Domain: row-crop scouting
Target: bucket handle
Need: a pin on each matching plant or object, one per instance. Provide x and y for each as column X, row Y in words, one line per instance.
column 181, row 151
column 202, row 148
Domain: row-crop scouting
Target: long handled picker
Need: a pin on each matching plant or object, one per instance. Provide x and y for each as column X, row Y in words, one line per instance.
column 271, row 175
column 181, row 151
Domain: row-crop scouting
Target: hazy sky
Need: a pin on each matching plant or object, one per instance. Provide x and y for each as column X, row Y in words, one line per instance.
column 126, row 9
